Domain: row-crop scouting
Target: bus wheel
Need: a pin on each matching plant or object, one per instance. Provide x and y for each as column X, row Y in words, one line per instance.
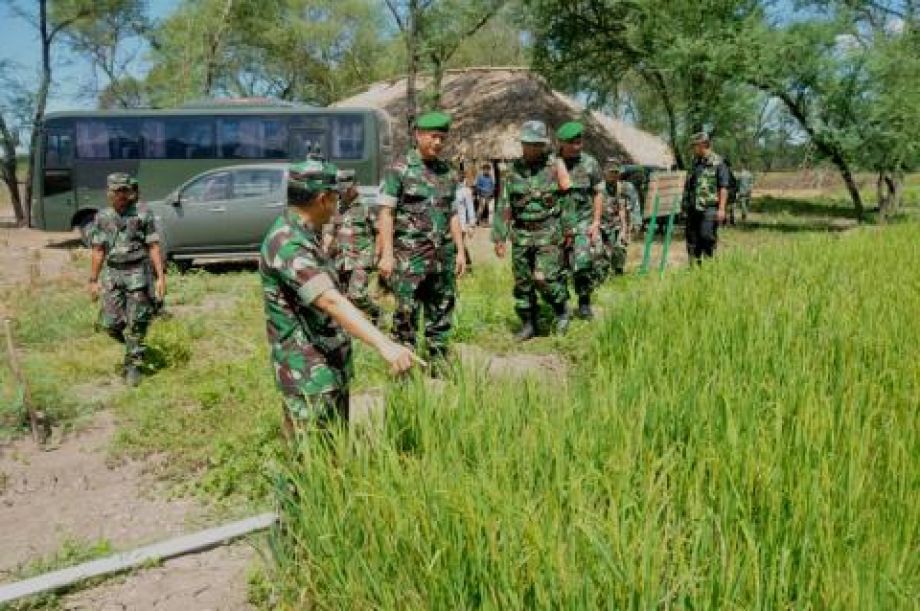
column 84, row 224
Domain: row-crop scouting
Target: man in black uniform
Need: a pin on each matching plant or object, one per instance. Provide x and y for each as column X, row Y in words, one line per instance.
column 705, row 198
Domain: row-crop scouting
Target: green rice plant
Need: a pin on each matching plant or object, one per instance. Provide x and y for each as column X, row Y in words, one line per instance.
column 744, row 435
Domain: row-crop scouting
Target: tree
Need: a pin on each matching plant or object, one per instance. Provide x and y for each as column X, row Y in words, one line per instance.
column 15, row 105
column 52, row 21
column 435, row 30
column 105, row 40
column 313, row 51
column 445, row 26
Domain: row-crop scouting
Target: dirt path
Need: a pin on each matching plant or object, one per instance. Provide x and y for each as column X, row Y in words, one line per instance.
column 75, row 492
column 51, row 252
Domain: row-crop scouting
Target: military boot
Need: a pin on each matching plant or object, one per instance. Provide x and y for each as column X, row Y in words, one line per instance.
column 529, row 328
column 132, row 375
column 584, row 307
column 562, row 317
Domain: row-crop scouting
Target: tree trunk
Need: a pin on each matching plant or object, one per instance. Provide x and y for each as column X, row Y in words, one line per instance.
column 657, row 83
column 437, row 78
column 41, row 101
column 412, row 73
column 850, row 182
column 8, row 172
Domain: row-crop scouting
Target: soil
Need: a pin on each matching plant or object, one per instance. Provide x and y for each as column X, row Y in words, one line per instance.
column 27, row 252
column 73, row 491
column 215, row 581
column 545, row 366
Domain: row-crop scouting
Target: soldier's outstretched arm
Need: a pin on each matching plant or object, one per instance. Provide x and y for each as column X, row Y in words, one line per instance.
column 341, row 310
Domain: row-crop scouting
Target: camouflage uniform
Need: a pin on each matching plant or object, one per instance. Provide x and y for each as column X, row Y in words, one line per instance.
column 422, row 196
column 620, row 195
column 578, row 214
column 701, row 201
column 745, row 189
column 353, row 232
column 125, row 280
column 531, row 203
column 310, row 353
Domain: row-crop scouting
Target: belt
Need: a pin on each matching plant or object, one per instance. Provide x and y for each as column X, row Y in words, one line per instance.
column 126, row 264
column 535, row 225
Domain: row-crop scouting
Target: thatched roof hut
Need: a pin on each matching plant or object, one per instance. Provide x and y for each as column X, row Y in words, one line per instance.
column 490, row 104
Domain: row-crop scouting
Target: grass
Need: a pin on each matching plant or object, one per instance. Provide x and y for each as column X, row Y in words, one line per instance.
column 71, row 552
column 743, row 436
column 781, row 472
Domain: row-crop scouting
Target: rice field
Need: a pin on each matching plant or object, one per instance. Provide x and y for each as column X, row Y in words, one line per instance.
column 743, row 436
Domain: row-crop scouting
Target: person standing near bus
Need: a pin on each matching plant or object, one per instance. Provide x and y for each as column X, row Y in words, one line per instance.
column 308, row 321
column 417, row 220
column 125, row 245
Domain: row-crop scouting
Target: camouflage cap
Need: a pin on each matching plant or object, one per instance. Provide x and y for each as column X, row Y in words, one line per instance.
column 434, row 121
column 570, row 131
column 309, row 178
column 534, row 132
column 699, row 138
column 120, row 180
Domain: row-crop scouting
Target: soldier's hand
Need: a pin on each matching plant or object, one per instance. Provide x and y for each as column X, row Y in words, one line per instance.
column 161, row 288
column 460, row 265
column 720, row 215
column 398, row 356
column 386, row 265
column 500, row 250
column 94, row 290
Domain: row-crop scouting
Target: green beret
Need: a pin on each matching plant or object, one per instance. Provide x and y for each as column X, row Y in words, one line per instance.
column 120, row 180
column 434, row 121
column 309, row 178
column 570, row 131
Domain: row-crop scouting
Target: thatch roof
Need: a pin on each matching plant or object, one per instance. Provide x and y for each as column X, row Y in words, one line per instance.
column 490, row 104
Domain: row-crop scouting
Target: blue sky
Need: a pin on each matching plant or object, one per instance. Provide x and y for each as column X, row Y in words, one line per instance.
column 19, row 43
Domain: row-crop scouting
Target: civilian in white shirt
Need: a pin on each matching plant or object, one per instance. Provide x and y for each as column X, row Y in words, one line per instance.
column 466, row 211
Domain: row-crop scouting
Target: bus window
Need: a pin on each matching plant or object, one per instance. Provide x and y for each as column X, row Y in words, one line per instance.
column 177, row 138
column 59, row 148
column 56, row 182
column 108, row 139
column 252, row 138
column 348, row 137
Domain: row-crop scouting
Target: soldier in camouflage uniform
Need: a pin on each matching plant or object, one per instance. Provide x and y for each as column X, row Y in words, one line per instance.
column 705, row 198
column 582, row 210
column 307, row 319
column 353, row 250
column 622, row 198
column 528, row 211
column 420, row 236
column 125, row 245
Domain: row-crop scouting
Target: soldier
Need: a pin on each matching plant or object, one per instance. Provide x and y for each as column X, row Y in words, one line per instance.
column 529, row 212
column 745, row 190
column 125, row 245
column 622, row 200
column 705, row 198
column 353, row 249
column 308, row 320
column 419, row 236
column 582, row 211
